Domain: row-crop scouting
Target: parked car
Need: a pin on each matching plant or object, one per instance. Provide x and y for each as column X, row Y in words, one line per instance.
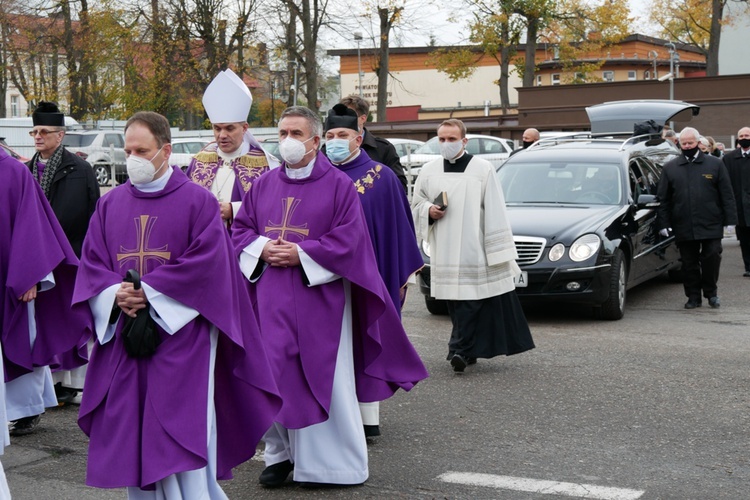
column 583, row 213
column 271, row 146
column 183, row 151
column 10, row 151
column 102, row 149
column 405, row 147
column 493, row 149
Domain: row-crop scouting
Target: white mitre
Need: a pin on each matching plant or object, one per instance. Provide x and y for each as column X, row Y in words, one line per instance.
column 227, row 99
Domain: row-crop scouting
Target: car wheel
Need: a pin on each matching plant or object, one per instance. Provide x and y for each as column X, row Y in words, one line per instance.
column 614, row 307
column 437, row 307
column 102, row 174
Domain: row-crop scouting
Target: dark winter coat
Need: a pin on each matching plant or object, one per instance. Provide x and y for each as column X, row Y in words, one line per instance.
column 696, row 198
column 739, row 174
column 73, row 196
column 384, row 152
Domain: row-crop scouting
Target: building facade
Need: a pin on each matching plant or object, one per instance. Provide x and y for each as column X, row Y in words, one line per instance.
column 417, row 90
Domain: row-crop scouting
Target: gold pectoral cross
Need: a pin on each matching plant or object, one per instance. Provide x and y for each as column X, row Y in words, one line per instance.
column 289, row 204
column 142, row 253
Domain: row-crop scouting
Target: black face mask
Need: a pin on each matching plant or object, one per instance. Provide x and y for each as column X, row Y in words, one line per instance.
column 690, row 153
column 745, row 143
column 526, row 144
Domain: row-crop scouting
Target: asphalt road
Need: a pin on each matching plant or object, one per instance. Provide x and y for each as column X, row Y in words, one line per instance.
column 653, row 406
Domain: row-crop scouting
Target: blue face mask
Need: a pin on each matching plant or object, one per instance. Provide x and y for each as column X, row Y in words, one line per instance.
column 337, row 150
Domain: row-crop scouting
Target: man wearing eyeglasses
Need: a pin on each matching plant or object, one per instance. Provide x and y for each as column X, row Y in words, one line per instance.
column 70, row 186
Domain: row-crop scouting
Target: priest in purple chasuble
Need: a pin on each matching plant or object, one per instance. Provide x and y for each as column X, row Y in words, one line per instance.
column 37, row 272
column 331, row 330
column 178, row 420
column 229, row 166
column 387, row 213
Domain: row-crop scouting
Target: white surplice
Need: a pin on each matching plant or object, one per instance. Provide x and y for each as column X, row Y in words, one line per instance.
column 472, row 256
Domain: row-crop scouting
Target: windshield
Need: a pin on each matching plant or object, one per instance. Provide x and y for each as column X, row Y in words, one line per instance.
column 430, row 147
column 78, row 140
column 561, row 182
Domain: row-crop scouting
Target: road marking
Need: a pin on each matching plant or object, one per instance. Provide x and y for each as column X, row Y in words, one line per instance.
column 541, row 486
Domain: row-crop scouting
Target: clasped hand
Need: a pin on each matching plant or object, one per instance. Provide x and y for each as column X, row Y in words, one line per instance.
column 280, row 253
column 129, row 299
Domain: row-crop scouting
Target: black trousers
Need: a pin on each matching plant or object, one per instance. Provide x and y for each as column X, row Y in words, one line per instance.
column 701, row 260
column 743, row 235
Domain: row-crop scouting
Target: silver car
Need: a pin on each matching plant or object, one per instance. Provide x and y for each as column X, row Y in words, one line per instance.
column 493, row 149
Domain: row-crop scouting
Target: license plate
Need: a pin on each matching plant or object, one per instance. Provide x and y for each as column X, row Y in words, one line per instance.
column 522, row 280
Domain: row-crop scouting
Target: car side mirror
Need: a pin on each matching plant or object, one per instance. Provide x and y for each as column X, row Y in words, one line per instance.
column 647, row 201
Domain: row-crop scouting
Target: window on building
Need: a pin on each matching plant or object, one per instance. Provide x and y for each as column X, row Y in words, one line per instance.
column 608, row 76
column 556, row 79
column 538, row 80
column 580, row 78
column 15, row 110
column 50, row 68
column 631, row 75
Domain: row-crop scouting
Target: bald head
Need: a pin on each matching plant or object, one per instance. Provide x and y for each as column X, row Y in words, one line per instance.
column 743, row 138
column 530, row 136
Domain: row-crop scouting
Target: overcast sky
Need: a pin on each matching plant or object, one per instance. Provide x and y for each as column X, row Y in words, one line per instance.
column 426, row 20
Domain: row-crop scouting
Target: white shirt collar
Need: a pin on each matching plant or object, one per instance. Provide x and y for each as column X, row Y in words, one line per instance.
column 302, row 172
column 156, row 185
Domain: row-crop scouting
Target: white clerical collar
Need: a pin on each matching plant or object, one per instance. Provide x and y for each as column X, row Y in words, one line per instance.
column 244, row 148
column 302, row 172
column 155, row 185
column 454, row 160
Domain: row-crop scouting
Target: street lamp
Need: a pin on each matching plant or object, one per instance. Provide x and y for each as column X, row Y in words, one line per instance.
column 673, row 57
column 296, row 65
column 358, row 39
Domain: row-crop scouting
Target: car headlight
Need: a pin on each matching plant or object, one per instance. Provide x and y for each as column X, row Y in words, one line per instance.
column 584, row 247
column 556, row 252
column 426, row 247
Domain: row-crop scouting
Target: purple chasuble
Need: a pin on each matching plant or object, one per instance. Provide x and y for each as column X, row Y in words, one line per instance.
column 32, row 244
column 147, row 417
column 389, row 221
column 301, row 325
column 247, row 168
column 40, row 166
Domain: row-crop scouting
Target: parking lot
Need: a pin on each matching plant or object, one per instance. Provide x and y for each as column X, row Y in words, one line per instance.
column 654, row 406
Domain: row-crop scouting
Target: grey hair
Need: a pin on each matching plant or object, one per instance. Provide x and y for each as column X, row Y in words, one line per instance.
column 690, row 130
column 313, row 120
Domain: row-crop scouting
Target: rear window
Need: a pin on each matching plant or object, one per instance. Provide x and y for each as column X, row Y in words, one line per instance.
column 78, row 140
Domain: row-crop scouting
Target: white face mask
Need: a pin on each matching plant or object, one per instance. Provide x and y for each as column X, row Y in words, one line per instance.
column 450, row 150
column 141, row 170
column 292, row 151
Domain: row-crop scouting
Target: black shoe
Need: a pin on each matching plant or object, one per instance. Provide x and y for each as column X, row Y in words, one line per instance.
column 65, row 396
column 372, row 431
column 275, row 475
column 471, row 361
column 692, row 304
column 458, row 363
column 24, row 426
column 746, row 274
column 714, row 302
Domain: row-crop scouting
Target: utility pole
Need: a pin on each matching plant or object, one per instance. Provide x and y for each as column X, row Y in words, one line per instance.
column 358, row 39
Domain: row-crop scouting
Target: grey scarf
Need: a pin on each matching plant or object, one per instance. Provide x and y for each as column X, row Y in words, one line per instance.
column 49, row 170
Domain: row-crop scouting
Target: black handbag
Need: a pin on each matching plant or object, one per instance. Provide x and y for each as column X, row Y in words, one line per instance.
column 139, row 334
